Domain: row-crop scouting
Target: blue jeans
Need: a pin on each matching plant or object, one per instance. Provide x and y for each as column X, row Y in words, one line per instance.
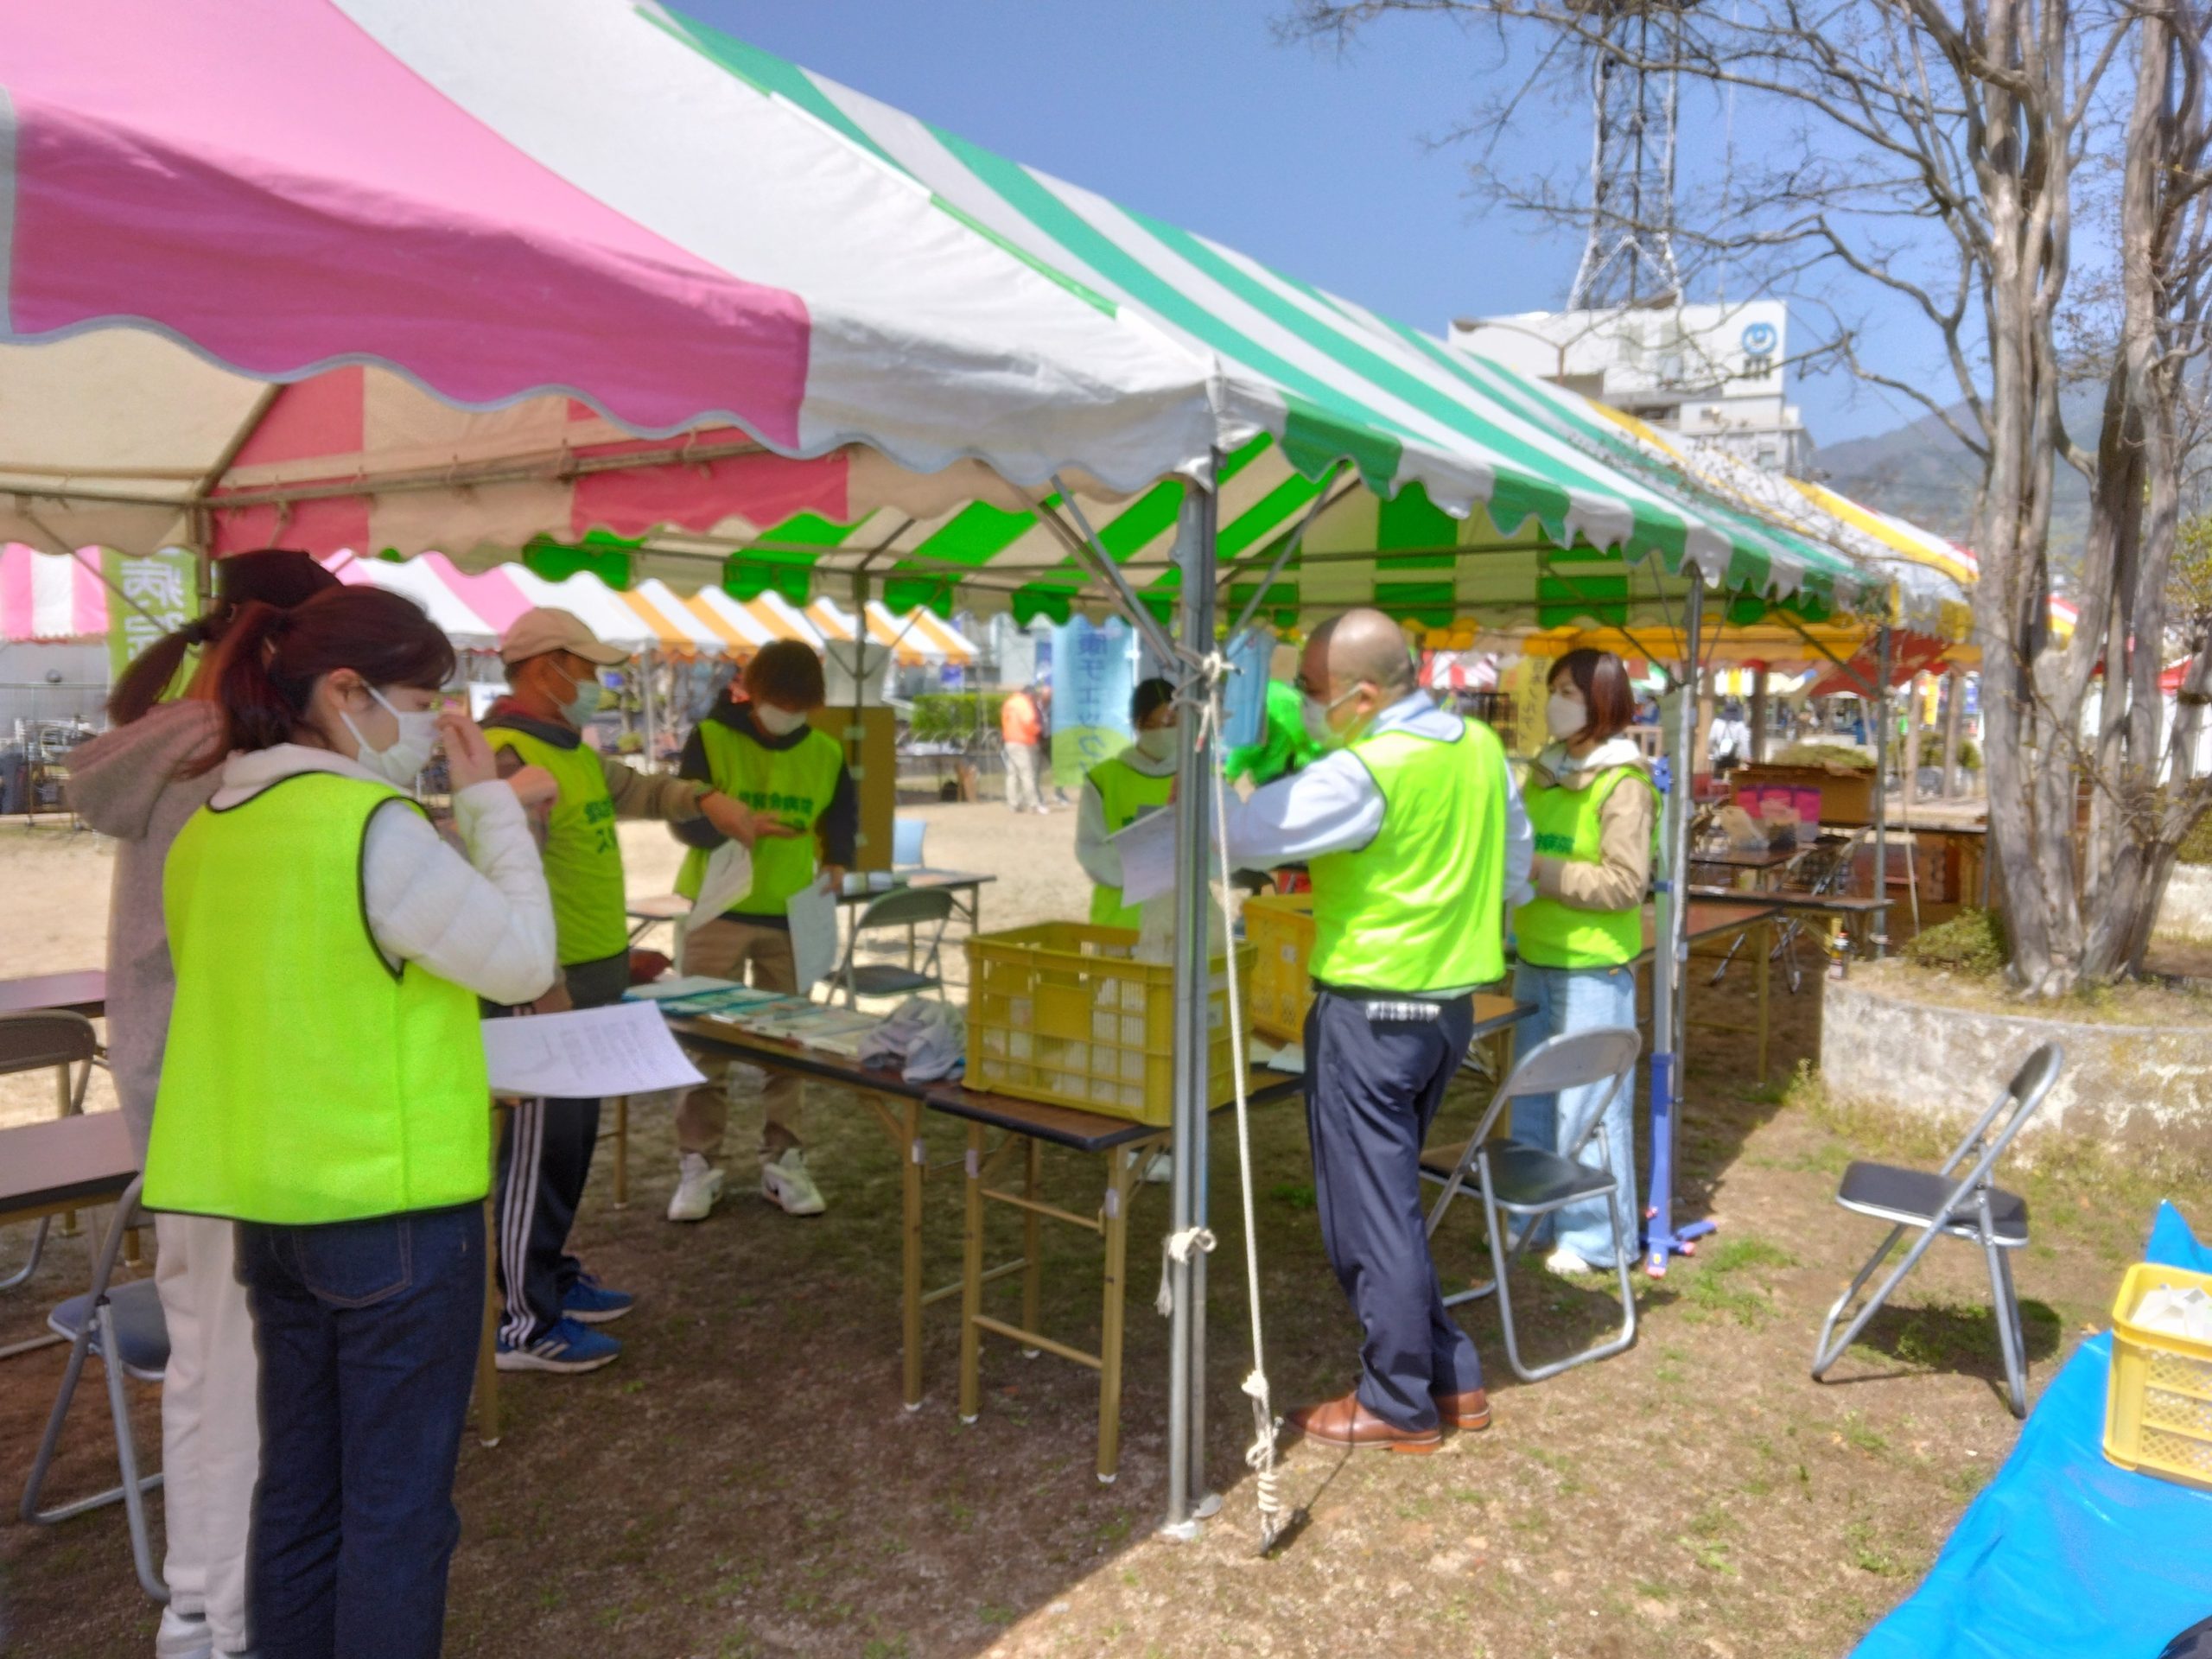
column 1569, row 1000
column 368, row 1332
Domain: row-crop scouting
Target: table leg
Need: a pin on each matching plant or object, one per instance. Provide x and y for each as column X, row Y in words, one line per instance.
column 1032, row 1240
column 621, row 1152
column 910, row 1191
column 487, row 1363
column 1120, row 1183
column 971, row 1280
column 1766, row 974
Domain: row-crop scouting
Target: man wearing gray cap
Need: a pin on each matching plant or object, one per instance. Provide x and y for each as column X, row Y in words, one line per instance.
column 550, row 1305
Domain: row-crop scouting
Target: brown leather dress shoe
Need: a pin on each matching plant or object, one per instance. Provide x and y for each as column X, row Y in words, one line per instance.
column 1469, row 1411
column 1345, row 1421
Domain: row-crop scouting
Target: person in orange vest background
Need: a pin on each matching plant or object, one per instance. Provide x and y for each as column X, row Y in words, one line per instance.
column 1020, row 727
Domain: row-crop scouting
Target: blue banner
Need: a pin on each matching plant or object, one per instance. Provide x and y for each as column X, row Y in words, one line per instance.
column 1093, row 672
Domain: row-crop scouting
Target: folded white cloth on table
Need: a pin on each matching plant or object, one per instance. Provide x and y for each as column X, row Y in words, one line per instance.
column 928, row 1040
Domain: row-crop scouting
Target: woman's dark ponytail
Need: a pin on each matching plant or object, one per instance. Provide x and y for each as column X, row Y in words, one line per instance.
column 154, row 670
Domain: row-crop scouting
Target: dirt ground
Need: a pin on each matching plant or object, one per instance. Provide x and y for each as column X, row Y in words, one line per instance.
column 744, row 1481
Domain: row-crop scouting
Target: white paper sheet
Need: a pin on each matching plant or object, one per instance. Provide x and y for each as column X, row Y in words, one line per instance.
column 592, row 1052
column 1148, row 850
column 812, row 913
column 726, row 878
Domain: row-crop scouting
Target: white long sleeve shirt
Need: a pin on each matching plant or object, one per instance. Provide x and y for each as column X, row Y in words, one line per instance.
column 1094, row 847
column 485, row 922
column 1333, row 805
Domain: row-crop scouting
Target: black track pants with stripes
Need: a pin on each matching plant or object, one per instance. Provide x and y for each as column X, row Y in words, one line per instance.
column 544, row 1160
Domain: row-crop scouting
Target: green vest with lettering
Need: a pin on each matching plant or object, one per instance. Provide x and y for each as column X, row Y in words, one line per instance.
column 584, row 856
column 1420, row 908
column 1128, row 794
column 306, row 1080
column 1568, row 825
column 793, row 785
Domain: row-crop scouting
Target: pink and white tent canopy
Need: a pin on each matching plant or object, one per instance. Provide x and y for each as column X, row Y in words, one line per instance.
column 50, row 597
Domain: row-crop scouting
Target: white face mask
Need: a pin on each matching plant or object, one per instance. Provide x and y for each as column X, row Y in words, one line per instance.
column 1158, row 744
column 584, row 703
column 1316, row 714
column 778, row 722
column 410, row 752
column 1564, row 716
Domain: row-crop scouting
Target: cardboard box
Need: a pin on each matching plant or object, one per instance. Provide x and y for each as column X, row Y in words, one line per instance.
column 1846, row 795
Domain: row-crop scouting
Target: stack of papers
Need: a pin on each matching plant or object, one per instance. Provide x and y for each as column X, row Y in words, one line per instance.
column 588, row 1054
column 695, row 995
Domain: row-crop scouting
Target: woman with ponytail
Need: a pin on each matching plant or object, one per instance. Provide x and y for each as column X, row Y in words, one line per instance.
column 138, row 782
column 324, row 1087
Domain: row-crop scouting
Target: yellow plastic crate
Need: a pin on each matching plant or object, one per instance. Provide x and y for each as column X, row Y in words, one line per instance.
column 1062, row 1012
column 2158, row 1402
column 1280, row 929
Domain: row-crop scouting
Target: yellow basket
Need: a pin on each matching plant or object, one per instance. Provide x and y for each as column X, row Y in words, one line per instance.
column 1061, row 1012
column 2158, row 1402
column 1280, row 929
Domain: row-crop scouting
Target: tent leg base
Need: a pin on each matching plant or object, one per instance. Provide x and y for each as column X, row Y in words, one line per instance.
column 1659, row 1248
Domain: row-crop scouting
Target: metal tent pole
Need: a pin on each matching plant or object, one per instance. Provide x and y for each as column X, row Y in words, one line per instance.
column 1194, row 553
column 1882, row 790
column 1668, row 1002
column 645, row 708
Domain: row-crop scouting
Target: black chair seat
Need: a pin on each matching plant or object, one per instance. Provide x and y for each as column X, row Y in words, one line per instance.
column 886, row 979
column 141, row 1334
column 1522, row 1177
column 1910, row 1198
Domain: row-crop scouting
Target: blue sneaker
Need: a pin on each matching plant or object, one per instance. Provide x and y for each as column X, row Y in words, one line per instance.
column 567, row 1347
column 589, row 1302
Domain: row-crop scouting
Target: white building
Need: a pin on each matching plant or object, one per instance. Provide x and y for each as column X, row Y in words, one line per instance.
column 1712, row 372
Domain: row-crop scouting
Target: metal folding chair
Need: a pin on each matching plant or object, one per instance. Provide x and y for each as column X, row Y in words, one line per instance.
column 911, row 908
column 1529, row 1183
column 33, row 1042
column 121, row 1325
column 1957, row 1200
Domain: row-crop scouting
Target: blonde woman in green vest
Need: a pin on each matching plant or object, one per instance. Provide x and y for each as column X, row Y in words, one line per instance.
column 1591, row 802
column 763, row 754
column 552, row 1306
column 1119, row 790
column 323, row 1085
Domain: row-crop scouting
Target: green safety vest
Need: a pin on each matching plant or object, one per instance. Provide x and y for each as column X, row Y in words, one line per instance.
column 305, row 1079
column 1128, row 794
column 793, row 785
column 1568, row 825
column 1421, row 907
column 584, row 856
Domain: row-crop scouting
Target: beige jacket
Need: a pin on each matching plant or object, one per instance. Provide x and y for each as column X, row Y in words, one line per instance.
column 1623, row 872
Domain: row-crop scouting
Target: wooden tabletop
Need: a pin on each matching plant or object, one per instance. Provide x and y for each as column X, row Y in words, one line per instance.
column 86, row 1159
column 84, row 992
column 724, row 1038
column 1749, row 858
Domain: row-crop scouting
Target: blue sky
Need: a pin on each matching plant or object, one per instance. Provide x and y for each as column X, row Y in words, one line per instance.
column 1190, row 109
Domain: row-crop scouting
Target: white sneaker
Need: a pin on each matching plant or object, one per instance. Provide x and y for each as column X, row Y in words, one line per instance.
column 1567, row 1263
column 183, row 1636
column 1160, row 1169
column 787, row 1183
column 698, row 1184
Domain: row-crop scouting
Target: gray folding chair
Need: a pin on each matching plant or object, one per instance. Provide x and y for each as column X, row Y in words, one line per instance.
column 1958, row 1200
column 120, row 1326
column 911, row 908
column 1529, row 1183
column 68, row 1044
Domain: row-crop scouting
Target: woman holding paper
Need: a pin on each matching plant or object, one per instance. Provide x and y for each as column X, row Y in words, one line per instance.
column 763, row 752
column 324, row 1086
column 1120, row 791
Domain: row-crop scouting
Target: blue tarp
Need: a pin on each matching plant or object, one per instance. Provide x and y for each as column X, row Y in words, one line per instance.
column 2065, row 1553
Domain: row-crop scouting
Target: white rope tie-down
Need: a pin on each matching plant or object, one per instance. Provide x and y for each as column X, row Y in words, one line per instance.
column 1178, row 1248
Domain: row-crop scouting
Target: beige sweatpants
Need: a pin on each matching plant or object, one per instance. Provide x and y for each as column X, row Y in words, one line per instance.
column 211, row 1423
column 723, row 948
column 1021, row 777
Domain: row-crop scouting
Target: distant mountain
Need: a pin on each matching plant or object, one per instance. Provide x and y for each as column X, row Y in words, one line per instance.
column 1920, row 472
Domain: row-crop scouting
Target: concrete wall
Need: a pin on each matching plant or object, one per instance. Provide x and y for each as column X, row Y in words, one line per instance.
column 2140, row 1085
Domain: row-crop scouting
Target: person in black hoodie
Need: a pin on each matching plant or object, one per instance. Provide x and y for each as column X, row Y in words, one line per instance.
column 762, row 752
